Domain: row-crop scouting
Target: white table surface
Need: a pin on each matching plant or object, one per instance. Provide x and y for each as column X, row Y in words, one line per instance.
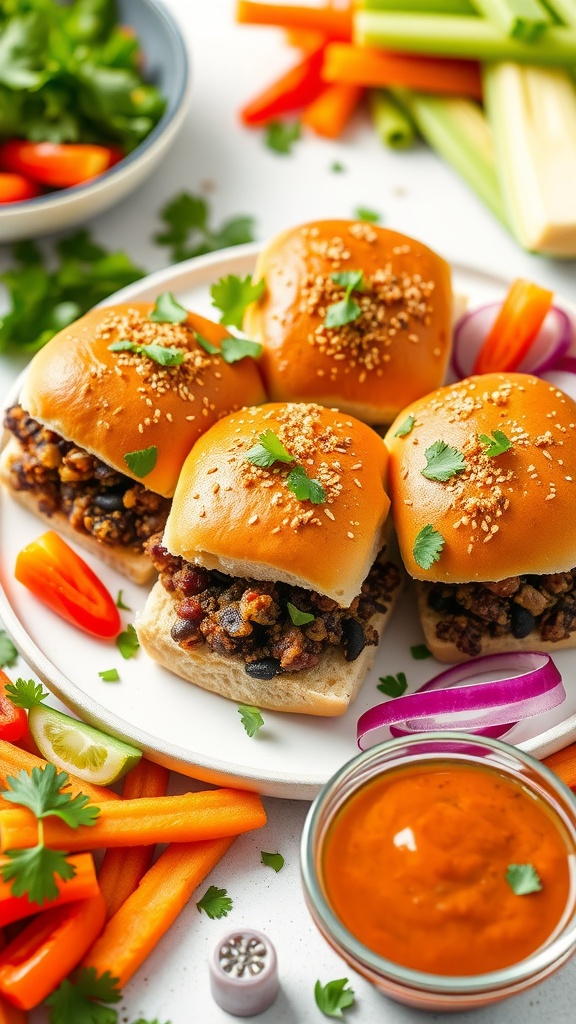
column 414, row 193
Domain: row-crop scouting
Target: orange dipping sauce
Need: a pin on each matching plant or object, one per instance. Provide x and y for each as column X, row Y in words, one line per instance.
column 414, row 865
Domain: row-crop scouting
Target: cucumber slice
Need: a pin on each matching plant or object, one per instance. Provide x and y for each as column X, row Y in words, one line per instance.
column 80, row 749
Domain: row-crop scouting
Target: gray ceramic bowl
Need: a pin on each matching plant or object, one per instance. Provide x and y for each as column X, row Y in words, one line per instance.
column 167, row 66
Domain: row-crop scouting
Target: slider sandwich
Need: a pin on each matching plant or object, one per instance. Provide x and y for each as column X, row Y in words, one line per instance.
column 274, row 579
column 353, row 316
column 482, row 477
column 108, row 412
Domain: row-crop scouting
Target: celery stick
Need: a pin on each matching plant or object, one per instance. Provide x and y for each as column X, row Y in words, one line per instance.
column 566, row 10
column 532, row 113
column 521, row 19
column 457, row 129
column 393, row 126
column 456, row 35
column 420, row 6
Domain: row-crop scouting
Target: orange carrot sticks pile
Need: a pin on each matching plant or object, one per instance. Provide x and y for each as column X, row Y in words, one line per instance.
column 13, row 760
column 329, row 114
column 332, row 22
column 81, row 886
column 363, row 66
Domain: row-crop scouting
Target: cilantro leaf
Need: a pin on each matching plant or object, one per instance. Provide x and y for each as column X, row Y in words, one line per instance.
column 41, row 792
column 110, row 675
column 189, row 233
column 215, row 903
column 523, row 879
column 74, row 1001
column 299, row 618
column 495, row 445
column 234, row 349
column 419, row 652
column 280, row 136
column 231, row 295
column 164, row 355
column 333, row 997
column 336, row 167
column 367, row 215
column 32, row 871
column 168, row 311
column 352, row 280
column 251, row 718
column 272, row 860
column 142, row 462
column 25, row 693
column 208, row 347
column 268, row 450
column 346, row 311
column 442, row 461
column 406, row 426
column 393, row 686
column 155, row 1021
column 120, row 602
column 8, row 652
column 427, row 546
column 127, row 642
column 304, row 488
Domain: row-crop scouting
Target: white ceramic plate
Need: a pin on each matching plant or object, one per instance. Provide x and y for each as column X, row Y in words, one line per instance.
column 191, row 730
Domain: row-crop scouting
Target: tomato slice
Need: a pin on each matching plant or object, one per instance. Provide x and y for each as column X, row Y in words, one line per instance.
column 62, row 580
column 60, row 164
column 15, row 187
column 13, row 720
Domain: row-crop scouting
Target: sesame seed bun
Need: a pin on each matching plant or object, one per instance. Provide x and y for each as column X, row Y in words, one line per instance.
column 501, row 516
column 393, row 353
column 114, row 403
column 231, row 515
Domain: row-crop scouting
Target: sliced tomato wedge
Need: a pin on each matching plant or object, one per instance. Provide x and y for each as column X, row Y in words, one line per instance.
column 61, row 579
column 60, row 164
column 13, row 720
column 15, row 187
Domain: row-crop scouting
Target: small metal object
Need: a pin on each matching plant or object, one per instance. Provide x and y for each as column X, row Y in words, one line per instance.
column 244, row 973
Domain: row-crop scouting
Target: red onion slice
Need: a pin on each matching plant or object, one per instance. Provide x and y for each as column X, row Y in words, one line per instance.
column 551, row 343
column 442, row 704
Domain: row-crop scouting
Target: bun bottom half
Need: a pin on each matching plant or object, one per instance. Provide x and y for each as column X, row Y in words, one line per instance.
column 133, row 565
column 446, row 651
column 326, row 690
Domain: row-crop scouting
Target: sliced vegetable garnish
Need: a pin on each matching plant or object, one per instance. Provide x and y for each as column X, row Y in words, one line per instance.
column 515, row 328
column 61, row 579
column 143, row 461
column 442, row 461
column 168, row 311
column 82, row 885
column 13, row 718
column 292, row 91
column 58, row 164
column 81, row 749
column 546, row 352
column 231, row 295
column 428, row 546
column 215, row 903
column 523, row 879
column 110, row 675
column 452, row 701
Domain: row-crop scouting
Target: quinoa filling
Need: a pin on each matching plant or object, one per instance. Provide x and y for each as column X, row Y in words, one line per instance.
column 518, row 605
column 96, row 499
column 252, row 618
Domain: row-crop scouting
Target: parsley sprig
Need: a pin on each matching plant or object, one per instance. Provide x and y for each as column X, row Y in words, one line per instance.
column 33, row 870
column 442, row 461
column 272, row 860
column 406, row 426
column 280, row 136
column 251, row 719
column 81, row 1001
column 347, row 310
column 393, row 686
column 215, row 903
column 495, row 445
column 25, row 693
column 8, row 653
column 334, row 997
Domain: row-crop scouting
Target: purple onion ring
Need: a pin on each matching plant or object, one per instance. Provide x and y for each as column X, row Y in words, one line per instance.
column 550, row 345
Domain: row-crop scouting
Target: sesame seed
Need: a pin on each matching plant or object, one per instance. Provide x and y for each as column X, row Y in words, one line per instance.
column 253, row 519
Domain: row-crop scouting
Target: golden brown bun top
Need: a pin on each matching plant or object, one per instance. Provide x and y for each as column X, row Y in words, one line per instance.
column 503, row 515
column 232, row 515
column 394, row 352
column 114, row 403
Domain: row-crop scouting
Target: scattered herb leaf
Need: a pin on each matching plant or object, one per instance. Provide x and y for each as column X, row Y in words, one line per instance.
column 369, row 216
column 33, row 870
column 8, row 652
column 231, row 295
column 523, row 879
column 164, row 355
column 208, row 347
column 352, row 280
column 142, row 462
column 234, row 349
column 26, row 693
column 393, row 686
column 251, row 718
column 428, row 546
column 337, row 168
column 189, row 233
column 128, row 643
column 333, row 997
column 215, row 903
column 120, row 602
column 347, row 310
column 272, row 860
column 495, row 445
column 168, row 311
column 442, row 461
column 110, row 675
column 406, row 426
column 268, row 450
column 75, row 1001
column 304, row 487
column 299, row 618
column 280, row 136
column 419, row 652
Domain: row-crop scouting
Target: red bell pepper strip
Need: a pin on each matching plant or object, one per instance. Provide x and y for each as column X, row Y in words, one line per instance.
column 62, row 580
column 82, row 886
column 13, row 720
column 295, row 89
column 59, row 164
column 515, row 327
column 11, row 1014
column 14, row 188
column 40, row 957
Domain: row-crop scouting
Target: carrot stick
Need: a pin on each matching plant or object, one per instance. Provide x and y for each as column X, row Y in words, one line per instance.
column 11, row 1014
column 515, row 328
column 13, row 760
column 335, row 23
column 293, row 90
column 122, row 869
column 304, row 40
column 359, row 65
column 330, row 112
column 210, row 814
column 563, row 764
column 147, row 914
column 82, row 886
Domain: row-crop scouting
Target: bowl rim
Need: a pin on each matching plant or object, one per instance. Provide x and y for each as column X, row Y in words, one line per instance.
column 168, row 122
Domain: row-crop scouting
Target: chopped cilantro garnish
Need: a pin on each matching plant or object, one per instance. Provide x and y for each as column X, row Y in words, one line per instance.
column 334, row 997
column 419, row 652
column 347, row 310
column 304, row 487
column 523, row 879
column 142, row 462
column 81, row 1001
column 299, row 618
column 8, row 653
column 128, row 643
column 190, row 234
column 369, row 216
column 215, row 903
column 442, row 461
column 406, row 426
column 272, row 860
column 231, row 295
column 25, row 693
column 164, row 355
column 280, row 136
column 231, row 349
column 495, row 445
column 336, row 167
column 251, row 718
column 168, row 311
column 393, row 686
column 428, row 546
column 109, row 675
column 268, row 450
column 120, row 602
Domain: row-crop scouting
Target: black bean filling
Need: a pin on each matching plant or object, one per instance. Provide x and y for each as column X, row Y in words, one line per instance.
column 96, row 498
column 250, row 618
column 518, row 605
